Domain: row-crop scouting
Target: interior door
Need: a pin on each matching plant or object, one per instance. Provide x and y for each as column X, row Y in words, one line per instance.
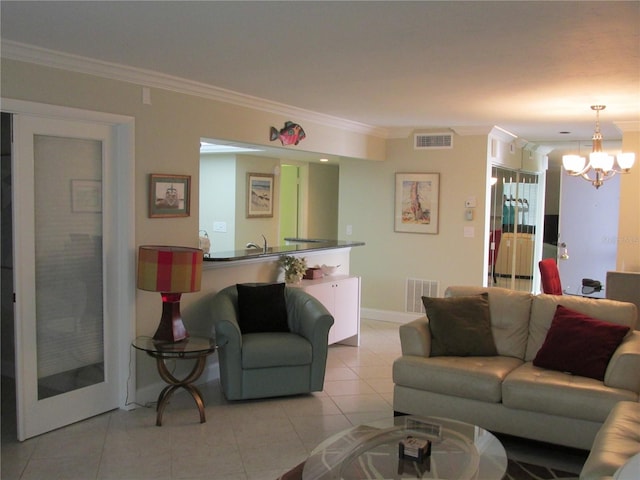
column 588, row 226
column 66, row 366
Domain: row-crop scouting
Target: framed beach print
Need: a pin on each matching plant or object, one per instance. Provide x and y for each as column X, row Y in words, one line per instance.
column 169, row 195
column 416, row 202
column 259, row 195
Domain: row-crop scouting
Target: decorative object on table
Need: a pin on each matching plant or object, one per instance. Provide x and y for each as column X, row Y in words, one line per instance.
column 290, row 134
column 169, row 195
column 414, row 448
column 329, row 270
column 171, row 271
column 204, row 242
column 590, row 286
column 312, row 273
column 417, row 202
column 294, row 268
column 603, row 165
column 259, row 195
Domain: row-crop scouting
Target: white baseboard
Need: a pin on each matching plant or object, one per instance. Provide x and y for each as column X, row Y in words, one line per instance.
column 388, row 315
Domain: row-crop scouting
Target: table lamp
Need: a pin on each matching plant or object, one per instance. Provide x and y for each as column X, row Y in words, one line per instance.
column 171, row 271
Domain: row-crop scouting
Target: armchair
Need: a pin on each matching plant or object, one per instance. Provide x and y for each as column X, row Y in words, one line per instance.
column 270, row 364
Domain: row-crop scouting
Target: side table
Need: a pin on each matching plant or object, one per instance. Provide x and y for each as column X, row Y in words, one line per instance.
column 198, row 348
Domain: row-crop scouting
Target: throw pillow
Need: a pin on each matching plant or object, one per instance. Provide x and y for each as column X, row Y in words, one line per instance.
column 262, row 308
column 460, row 326
column 579, row 344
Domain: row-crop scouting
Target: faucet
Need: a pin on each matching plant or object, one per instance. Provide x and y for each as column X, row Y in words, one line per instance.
column 253, row 245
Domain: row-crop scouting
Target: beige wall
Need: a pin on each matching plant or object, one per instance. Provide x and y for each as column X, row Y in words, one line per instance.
column 628, row 259
column 367, row 204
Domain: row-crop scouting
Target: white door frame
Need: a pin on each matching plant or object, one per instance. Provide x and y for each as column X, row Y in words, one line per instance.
column 124, row 216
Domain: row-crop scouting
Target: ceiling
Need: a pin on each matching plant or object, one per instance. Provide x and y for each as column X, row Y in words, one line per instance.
column 531, row 68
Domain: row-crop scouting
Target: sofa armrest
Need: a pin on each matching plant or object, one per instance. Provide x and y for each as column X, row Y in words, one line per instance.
column 623, row 370
column 415, row 337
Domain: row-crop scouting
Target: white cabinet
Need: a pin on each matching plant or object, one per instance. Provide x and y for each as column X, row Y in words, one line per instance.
column 341, row 296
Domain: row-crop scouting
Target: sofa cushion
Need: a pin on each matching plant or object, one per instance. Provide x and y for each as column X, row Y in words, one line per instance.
column 579, row 344
column 477, row 378
column 544, row 306
column 460, row 326
column 262, row 308
column 510, row 311
column 556, row 393
column 275, row 349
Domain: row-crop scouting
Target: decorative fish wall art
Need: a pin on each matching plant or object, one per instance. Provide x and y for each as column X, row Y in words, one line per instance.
column 290, row 134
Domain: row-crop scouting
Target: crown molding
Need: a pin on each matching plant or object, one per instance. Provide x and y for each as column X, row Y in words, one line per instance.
column 50, row 58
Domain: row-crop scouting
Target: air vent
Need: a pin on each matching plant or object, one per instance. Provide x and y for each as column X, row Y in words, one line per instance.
column 416, row 289
column 433, row 141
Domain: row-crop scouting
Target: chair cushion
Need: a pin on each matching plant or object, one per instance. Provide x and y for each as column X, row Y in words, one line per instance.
column 579, row 344
column 460, row 326
column 262, row 308
column 275, row 349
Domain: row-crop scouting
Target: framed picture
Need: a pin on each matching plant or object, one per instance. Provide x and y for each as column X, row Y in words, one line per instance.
column 417, row 199
column 169, row 195
column 86, row 196
column 259, row 195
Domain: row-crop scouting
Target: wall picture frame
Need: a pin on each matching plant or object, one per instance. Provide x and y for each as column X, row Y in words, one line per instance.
column 259, row 195
column 417, row 199
column 86, row 196
column 169, row 195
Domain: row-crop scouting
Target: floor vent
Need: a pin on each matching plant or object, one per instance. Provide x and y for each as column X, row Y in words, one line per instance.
column 416, row 289
column 433, row 141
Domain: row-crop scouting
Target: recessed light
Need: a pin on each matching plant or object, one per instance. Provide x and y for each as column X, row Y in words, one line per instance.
column 564, row 133
column 324, row 159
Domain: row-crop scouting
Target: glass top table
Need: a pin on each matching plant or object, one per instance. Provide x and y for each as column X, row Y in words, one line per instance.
column 371, row 451
column 197, row 348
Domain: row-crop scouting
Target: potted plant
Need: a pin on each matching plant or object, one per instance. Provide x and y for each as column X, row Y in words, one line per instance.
column 294, row 268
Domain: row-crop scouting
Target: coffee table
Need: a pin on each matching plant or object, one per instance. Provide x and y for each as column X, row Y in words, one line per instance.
column 458, row 451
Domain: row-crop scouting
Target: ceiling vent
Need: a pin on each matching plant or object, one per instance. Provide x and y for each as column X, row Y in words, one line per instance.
column 425, row 141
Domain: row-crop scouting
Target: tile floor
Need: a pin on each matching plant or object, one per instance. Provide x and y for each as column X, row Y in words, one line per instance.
column 253, row 440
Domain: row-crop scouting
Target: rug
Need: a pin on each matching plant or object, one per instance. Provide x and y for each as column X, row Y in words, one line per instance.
column 515, row 471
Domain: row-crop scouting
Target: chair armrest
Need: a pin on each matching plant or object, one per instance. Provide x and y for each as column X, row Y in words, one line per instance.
column 415, row 337
column 623, row 370
column 224, row 315
column 308, row 317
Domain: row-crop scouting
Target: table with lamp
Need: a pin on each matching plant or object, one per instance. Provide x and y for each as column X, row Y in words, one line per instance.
column 173, row 271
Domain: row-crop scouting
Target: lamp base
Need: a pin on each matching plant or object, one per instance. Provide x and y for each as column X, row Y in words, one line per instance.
column 171, row 328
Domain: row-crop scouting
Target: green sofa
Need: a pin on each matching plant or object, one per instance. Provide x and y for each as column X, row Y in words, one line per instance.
column 271, row 364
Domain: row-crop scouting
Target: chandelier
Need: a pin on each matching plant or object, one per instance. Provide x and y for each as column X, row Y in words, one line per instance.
column 601, row 166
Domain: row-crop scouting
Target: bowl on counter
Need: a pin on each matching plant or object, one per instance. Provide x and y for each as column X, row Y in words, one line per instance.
column 329, row 269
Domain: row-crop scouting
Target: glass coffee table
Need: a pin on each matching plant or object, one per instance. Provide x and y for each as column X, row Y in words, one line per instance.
column 458, row 451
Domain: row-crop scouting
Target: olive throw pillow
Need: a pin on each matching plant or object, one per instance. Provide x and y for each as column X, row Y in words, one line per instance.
column 579, row 344
column 460, row 326
column 262, row 308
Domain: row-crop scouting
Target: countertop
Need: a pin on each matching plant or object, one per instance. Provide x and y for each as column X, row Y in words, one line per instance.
column 296, row 245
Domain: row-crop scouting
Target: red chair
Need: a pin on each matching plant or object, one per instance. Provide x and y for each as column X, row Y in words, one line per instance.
column 550, row 276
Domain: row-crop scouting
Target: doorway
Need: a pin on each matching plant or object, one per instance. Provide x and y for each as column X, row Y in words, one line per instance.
column 68, row 326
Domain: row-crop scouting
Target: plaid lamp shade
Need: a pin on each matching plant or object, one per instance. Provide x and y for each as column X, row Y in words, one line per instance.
column 169, row 269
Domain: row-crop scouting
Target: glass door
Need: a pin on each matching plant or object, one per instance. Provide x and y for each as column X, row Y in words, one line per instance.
column 65, row 370
column 515, row 204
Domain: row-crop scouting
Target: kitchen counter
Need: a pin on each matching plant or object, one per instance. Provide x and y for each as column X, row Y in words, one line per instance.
column 293, row 246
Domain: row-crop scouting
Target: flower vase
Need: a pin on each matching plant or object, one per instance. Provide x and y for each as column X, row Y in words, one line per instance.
column 292, row 278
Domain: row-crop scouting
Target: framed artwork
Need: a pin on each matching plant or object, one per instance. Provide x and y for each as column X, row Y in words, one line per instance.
column 169, row 195
column 86, row 196
column 259, row 195
column 417, row 202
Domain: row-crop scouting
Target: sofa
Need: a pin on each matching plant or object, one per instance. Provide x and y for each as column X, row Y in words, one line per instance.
column 504, row 391
column 615, row 453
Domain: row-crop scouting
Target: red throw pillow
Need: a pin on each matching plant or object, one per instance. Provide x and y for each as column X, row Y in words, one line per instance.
column 579, row 344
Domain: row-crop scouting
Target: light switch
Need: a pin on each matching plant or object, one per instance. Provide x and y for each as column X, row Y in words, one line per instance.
column 220, row 227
